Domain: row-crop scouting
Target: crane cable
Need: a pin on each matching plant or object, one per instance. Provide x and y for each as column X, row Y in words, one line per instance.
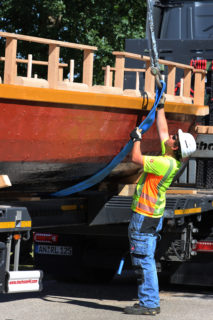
column 153, row 52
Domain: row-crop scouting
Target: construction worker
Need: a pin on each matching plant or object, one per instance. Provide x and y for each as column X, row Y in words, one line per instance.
column 148, row 207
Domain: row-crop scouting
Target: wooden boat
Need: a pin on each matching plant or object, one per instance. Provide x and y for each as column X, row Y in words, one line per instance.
column 56, row 132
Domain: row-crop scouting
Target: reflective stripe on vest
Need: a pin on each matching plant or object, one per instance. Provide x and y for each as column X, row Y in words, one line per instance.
column 147, row 203
column 144, row 207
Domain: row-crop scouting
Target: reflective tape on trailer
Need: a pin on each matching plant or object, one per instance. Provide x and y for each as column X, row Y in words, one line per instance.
column 187, row 211
column 45, row 237
column 204, row 246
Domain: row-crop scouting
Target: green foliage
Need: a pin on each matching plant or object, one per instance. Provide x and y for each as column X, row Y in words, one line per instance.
column 105, row 24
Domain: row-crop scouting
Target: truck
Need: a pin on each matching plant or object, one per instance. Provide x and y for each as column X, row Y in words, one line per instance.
column 96, row 239
column 85, row 236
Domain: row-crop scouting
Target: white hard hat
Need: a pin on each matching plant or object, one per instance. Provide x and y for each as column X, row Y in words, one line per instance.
column 187, row 143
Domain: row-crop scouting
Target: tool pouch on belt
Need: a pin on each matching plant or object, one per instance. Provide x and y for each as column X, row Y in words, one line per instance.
column 143, row 245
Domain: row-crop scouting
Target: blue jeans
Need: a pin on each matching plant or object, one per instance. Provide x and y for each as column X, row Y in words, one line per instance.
column 143, row 234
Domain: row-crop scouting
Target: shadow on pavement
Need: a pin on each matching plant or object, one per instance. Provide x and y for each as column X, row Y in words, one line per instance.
column 122, row 288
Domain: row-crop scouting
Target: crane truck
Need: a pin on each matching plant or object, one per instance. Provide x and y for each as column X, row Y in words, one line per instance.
column 92, row 240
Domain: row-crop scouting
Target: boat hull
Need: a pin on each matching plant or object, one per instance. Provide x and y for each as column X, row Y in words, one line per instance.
column 48, row 146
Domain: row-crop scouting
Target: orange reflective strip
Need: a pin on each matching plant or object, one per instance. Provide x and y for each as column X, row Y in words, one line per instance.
column 144, row 210
column 148, row 197
column 145, row 207
column 146, row 202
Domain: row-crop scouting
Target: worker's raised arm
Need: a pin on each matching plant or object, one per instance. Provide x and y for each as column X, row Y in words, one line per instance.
column 161, row 121
column 136, row 137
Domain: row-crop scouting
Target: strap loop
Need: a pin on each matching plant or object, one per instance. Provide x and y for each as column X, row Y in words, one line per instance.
column 99, row 176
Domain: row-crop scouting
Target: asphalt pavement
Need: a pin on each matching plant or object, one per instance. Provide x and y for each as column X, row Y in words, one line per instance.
column 77, row 301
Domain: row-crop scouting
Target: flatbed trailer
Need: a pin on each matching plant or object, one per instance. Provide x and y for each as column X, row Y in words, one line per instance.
column 86, row 237
column 98, row 236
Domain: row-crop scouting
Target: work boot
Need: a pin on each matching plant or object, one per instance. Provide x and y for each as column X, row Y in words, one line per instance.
column 139, row 310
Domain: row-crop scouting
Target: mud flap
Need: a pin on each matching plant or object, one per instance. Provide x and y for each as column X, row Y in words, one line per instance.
column 23, row 281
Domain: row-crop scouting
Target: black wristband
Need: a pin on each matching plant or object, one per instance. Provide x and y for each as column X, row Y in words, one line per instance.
column 160, row 106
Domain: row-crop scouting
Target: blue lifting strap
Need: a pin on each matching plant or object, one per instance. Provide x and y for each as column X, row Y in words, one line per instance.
column 99, row 176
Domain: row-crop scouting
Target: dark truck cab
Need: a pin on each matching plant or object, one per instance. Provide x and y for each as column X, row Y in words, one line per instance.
column 183, row 20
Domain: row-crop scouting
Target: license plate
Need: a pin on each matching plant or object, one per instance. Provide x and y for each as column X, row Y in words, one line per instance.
column 53, row 250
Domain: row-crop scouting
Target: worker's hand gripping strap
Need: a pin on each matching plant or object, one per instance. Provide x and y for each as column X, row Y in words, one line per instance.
column 99, row 176
column 136, row 135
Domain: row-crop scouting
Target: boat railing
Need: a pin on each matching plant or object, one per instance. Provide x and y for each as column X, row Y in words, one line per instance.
column 55, row 69
column 29, row 61
column 114, row 76
column 117, row 74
